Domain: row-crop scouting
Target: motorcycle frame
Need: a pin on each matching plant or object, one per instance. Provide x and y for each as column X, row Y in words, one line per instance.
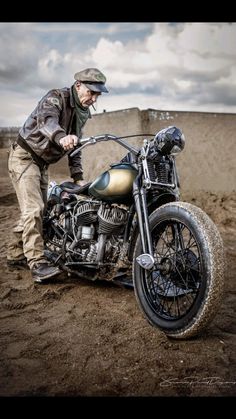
column 141, row 185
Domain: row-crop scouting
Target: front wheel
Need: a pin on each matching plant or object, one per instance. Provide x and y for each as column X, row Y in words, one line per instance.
column 182, row 292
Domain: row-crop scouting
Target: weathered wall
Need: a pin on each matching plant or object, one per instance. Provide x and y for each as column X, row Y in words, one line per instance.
column 207, row 162
column 7, row 135
column 124, row 122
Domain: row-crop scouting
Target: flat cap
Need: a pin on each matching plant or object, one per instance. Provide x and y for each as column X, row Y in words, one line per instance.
column 93, row 79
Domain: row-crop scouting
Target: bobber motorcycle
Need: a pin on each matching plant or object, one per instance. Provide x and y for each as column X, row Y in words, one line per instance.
column 129, row 226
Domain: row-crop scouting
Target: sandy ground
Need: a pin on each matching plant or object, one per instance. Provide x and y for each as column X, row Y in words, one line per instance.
column 78, row 338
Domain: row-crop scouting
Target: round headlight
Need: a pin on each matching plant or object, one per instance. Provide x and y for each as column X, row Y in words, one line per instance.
column 169, row 140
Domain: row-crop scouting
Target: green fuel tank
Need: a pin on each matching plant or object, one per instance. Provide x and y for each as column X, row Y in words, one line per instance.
column 116, row 184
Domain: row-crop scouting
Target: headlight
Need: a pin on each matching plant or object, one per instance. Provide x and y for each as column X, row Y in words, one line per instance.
column 169, row 140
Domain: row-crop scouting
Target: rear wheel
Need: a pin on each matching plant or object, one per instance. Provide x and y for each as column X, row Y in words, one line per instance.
column 182, row 293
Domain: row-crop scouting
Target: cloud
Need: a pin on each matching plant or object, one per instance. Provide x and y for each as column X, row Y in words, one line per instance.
column 18, row 54
column 194, row 52
column 15, row 109
column 162, row 65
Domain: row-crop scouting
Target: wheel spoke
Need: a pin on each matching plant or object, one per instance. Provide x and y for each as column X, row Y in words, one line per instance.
column 172, row 288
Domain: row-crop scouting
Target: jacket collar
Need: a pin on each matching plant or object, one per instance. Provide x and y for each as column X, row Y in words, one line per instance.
column 72, row 101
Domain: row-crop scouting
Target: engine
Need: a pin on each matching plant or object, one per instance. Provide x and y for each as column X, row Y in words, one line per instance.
column 89, row 231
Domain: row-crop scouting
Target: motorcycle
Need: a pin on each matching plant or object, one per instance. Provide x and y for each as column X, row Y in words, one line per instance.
column 129, row 226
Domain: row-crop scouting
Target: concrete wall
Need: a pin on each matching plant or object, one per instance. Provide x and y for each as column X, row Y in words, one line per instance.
column 7, row 135
column 207, row 162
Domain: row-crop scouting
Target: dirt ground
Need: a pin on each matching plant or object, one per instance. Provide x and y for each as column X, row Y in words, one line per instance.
column 79, row 338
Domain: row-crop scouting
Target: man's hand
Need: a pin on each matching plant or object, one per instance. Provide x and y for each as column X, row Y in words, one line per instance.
column 69, row 141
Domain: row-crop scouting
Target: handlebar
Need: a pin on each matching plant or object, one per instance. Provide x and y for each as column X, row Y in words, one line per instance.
column 97, row 138
column 107, row 137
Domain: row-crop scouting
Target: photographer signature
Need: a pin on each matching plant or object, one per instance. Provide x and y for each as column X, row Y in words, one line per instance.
column 196, row 381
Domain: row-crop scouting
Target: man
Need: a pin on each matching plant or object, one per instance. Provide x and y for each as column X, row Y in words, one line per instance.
column 52, row 129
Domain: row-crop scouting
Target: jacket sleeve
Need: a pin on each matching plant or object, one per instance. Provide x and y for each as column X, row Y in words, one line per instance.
column 48, row 114
column 75, row 165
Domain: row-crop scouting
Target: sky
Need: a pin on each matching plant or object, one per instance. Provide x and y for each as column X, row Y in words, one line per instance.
column 158, row 65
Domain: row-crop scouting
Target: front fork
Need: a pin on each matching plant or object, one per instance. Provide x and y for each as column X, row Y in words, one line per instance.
column 146, row 259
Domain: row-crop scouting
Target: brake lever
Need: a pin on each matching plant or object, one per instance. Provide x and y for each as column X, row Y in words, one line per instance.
column 76, row 151
column 86, row 141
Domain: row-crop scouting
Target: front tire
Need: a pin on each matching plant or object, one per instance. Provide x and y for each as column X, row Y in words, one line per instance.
column 182, row 293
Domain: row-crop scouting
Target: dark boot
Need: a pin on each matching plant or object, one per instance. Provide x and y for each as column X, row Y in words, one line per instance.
column 42, row 271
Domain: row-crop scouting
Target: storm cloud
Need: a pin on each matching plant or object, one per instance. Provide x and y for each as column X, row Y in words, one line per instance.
column 181, row 66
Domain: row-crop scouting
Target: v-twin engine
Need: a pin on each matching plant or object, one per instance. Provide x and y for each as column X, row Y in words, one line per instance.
column 91, row 231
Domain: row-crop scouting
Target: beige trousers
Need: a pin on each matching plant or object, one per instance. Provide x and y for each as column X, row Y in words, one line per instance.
column 30, row 183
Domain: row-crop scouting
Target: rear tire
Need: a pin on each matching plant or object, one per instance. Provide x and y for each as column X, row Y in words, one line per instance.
column 182, row 293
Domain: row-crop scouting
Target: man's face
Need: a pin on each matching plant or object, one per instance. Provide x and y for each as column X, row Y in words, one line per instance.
column 86, row 96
